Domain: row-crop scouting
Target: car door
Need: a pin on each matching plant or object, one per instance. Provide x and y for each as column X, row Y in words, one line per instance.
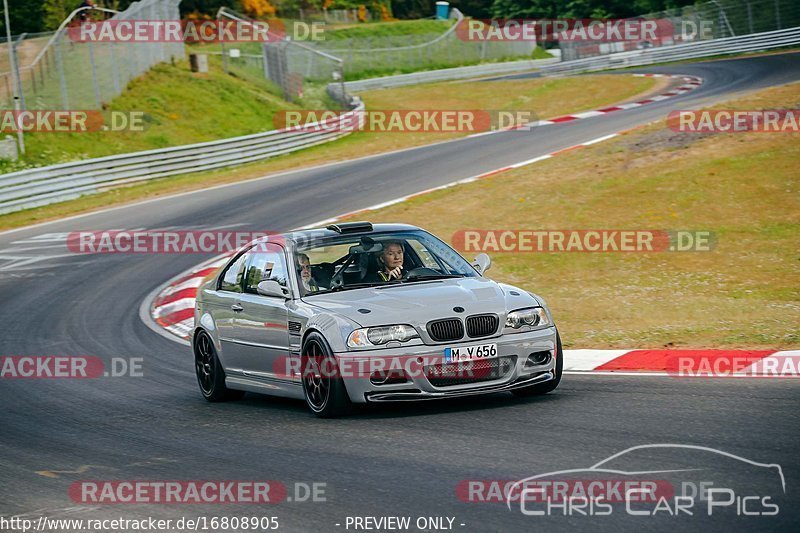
column 261, row 325
column 224, row 304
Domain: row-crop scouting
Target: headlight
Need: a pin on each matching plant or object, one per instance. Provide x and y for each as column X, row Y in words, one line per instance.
column 364, row 337
column 534, row 317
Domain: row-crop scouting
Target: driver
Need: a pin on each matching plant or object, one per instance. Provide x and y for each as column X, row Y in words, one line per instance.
column 307, row 281
column 390, row 261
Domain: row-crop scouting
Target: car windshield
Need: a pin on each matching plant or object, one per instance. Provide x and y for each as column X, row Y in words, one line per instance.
column 356, row 261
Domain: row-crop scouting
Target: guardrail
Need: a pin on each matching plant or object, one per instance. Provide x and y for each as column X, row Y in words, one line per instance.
column 730, row 45
column 56, row 183
column 447, row 74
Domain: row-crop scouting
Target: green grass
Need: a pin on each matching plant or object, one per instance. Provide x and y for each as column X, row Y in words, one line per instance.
column 743, row 188
column 388, row 29
column 540, row 53
column 180, row 108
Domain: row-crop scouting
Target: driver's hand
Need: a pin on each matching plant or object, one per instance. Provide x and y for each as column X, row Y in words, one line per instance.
column 396, row 272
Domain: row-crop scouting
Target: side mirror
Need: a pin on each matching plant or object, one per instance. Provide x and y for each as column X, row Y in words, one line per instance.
column 272, row 288
column 482, row 263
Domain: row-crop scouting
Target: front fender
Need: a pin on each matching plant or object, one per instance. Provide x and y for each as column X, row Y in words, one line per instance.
column 335, row 328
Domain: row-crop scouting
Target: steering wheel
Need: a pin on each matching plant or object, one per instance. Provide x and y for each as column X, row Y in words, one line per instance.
column 421, row 271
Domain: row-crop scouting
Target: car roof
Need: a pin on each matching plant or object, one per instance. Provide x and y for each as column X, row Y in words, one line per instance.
column 323, row 233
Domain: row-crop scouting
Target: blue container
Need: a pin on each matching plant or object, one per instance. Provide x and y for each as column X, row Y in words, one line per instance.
column 442, row 10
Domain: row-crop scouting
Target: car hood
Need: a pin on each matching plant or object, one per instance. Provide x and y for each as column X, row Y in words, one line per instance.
column 417, row 303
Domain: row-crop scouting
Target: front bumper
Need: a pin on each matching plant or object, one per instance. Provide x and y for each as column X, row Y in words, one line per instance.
column 513, row 349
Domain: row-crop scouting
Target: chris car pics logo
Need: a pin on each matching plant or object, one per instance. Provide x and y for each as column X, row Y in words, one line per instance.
column 678, row 480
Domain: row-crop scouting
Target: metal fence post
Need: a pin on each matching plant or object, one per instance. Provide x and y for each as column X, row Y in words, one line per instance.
column 449, row 51
column 96, row 86
column 131, row 63
column 778, row 14
column 62, row 80
column 224, row 56
column 350, row 52
column 9, row 92
column 162, row 46
column 265, row 60
column 114, row 68
column 18, row 76
column 309, row 65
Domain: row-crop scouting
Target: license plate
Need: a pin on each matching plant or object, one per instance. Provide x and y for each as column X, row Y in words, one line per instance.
column 470, row 353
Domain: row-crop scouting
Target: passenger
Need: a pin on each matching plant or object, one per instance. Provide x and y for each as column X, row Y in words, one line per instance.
column 390, row 261
column 307, row 281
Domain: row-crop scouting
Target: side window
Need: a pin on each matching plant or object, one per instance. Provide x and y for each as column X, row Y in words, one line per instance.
column 265, row 263
column 232, row 278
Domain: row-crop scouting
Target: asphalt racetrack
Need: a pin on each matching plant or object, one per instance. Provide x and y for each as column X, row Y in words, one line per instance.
column 399, row 460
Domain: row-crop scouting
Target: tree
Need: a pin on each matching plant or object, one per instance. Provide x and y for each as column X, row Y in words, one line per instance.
column 412, row 9
column 580, row 8
column 55, row 11
column 25, row 15
column 207, row 7
column 258, row 9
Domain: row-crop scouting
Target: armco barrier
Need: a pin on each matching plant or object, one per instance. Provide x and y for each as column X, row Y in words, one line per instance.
column 447, row 74
column 730, row 45
column 56, row 183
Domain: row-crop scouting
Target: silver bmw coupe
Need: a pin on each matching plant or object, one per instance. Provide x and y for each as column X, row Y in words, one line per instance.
column 361, row 313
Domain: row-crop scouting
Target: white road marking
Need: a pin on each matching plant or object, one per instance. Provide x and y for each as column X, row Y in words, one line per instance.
column 588, row 360
column 177, row 305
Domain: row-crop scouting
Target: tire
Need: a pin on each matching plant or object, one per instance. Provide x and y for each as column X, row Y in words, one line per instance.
column 210, row 374
column 324, row 391
column 549, row 386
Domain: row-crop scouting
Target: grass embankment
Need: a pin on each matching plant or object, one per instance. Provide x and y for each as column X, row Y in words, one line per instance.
column 400, row 47
column 547, row 97
column 397, row 28
column 180, row 108
column 743, row 187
